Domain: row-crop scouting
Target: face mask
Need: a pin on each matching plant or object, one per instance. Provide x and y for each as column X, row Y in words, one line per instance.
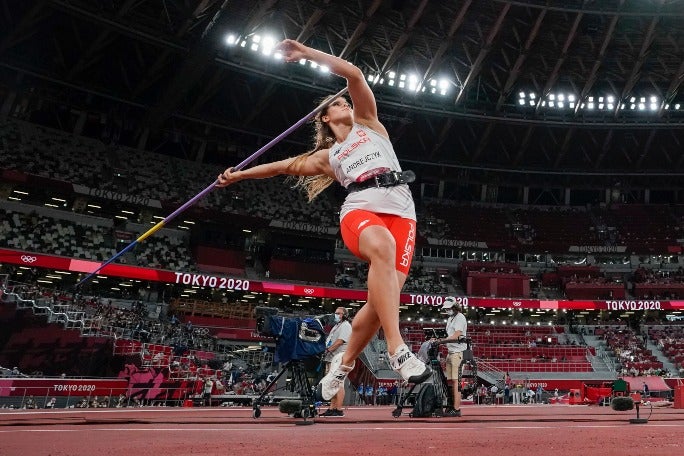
column 337, row 318
column 450, row 312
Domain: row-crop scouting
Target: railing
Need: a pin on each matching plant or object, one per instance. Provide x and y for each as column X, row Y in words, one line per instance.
column 527, row 366
column 41, row 398
column 490, row 372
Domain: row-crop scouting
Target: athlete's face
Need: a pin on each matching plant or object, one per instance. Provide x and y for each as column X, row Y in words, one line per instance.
column 338, row 109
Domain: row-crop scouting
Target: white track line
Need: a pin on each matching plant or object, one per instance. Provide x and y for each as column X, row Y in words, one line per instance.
column 340, row 426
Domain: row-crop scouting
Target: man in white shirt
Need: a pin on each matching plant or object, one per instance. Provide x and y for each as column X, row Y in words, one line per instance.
column 337, row 343
column 456, row 327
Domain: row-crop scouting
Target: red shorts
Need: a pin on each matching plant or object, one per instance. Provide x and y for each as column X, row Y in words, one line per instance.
column 403, row 231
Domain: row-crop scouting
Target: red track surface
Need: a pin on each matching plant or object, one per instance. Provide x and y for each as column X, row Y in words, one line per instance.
column 483, row 430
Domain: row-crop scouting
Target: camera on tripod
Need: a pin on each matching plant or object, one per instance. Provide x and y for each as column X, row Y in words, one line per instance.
column 299, row 344
column 296, row 337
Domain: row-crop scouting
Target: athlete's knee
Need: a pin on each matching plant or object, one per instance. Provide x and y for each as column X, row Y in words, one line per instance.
column 378, row 244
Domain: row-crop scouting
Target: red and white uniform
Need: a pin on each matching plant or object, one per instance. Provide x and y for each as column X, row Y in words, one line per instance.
column 361, row 156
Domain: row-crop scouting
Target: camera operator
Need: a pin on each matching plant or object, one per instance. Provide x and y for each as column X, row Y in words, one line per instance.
column 456, row 328
column 337, row 343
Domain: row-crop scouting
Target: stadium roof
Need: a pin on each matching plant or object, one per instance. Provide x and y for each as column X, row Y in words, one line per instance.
column 529, row 89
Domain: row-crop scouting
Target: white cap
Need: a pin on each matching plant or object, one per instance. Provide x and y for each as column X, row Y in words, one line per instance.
column 449, row 302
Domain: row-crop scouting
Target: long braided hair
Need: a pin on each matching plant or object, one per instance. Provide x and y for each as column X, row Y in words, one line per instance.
column 324, row 138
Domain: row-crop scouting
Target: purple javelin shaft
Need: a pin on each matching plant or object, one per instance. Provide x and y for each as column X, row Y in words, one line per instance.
column 212, row 186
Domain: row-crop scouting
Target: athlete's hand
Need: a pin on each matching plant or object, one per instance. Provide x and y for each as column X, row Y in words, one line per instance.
column 227, row 177
column 292, row 50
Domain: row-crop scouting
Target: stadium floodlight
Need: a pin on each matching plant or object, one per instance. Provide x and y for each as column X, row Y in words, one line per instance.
column 552, row 96
column 610, row 98
column 677, row 106
column 443, row 86
column 231, row 39
column 532, row 95
column 654, row 106
column 642, row 106
column 521, row 101
column 413, row 82
column 522, row 94
column 561, row 97
column 267, row 45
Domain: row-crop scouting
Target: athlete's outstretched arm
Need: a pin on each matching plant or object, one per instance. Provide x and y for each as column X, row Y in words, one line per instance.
column 309, row 165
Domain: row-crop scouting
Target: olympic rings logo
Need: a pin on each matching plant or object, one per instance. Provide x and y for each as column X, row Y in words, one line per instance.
column 28, row 259
column 309, row 291
column 517, row 303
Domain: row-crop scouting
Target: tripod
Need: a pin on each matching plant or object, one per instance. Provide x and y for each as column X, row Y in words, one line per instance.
column 439, row 380
column 304, row 407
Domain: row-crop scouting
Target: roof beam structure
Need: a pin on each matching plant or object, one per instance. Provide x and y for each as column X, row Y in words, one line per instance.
column 553, row 77
column 484, row 141
column 638, row 63
column 646, row 150
column 446, row 42
column 589, row 83
column 673, row 88
column 313, row 20
column 486, row 47
column 403, row 39
column 27, row 26
column 515, row 70
column 605, row 147
column 524, row 144
column 200, row 57
column 565, row 146
column 154, row 70
column 104, row 38
column 355, row 39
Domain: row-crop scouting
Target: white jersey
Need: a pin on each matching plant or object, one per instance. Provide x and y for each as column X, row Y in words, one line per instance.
column 365, row 154
column 455, row 323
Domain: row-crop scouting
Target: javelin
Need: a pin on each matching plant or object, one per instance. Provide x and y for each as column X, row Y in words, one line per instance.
column 201, row 194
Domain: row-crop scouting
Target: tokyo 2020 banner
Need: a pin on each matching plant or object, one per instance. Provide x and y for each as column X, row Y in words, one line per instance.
column 30, row 259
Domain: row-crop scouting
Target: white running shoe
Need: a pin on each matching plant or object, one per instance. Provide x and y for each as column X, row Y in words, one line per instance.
column 334, row 379
column 408, row 366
